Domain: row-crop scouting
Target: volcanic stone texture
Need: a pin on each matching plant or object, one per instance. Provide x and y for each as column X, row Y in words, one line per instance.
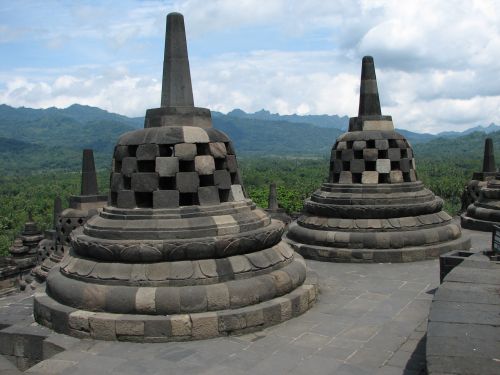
column 373, row 209
column 484, row 213
column 196, row 167
column 191, row 258
column 480, row 179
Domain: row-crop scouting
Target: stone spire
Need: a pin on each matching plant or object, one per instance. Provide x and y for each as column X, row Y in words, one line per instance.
column 489, row 156
column 89, row 178
column 273, row 198
column 369, row 102
column 176, row 89
column 369, row 114
column 177, row 104
column 57, row 211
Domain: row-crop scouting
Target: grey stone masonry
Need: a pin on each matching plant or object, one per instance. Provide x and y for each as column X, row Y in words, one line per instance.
column 373, row 207
column 180, row 252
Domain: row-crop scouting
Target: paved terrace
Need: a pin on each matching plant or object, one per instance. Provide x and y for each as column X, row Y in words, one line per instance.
column 370, row 319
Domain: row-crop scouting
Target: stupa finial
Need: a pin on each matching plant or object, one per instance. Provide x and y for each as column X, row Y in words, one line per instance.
column 57, row 211
column 177, row 90
column 369, row 102
column 489, row 156
column 273, row 198
column 89, row 178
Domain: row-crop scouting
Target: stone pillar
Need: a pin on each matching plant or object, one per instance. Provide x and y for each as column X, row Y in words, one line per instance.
column 489, row 156
column 273, row 198
column 369, row 102
column 176, row 88
column 89, row 177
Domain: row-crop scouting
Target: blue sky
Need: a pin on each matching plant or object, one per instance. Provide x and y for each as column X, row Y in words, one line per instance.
column 438, row 62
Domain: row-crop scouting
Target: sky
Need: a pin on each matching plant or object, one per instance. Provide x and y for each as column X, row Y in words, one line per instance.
column 437, row 62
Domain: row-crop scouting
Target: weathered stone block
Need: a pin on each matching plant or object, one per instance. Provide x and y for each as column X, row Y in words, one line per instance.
column 116, row 182
column 208, row 195
column 370, row 154
column 145, row 182
column 413, row 175
column 181, row 325
column 230, row 322
column 396, row 177
column 165, row 199
column 148, row 151
column 369, row 177
column 126, row 199
column 347, row 155
column 231, row 163
column 185, row 151
column 120, row 153
column 217, row 297
column 404, row 164
column 358, row 145
column 187, row 182
column 337, row 166
column 345, row 177
column 79, row 320
column 218, row 150
column 130, row 327
column 394, row 154
column 383, row 166
column 381, row 144
column 204, row 164
column 205, row 325
column 129, row 166
column 236, row 193
column 222, row 179
column 103, row 326
column 357, row 166
column 167, row 166
column 157, row 327
column 341, row 146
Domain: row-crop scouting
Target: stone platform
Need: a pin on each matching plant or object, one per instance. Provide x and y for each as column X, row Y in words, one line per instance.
column 369, row 319
column 464, row 323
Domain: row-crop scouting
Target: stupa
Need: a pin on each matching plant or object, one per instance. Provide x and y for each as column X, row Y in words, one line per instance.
column 480, row 179
column 373, row 208
column 81, row 208
column 484, row 213
column 180, row 252
column 23, row 251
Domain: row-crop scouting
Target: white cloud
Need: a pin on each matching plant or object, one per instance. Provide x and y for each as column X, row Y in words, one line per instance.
column 437, row 62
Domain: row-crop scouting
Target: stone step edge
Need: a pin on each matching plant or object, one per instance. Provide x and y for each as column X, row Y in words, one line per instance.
column 402, row 255
column 178, row 327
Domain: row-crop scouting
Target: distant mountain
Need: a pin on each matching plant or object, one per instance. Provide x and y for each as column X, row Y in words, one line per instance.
column 481, row 129
column 40, row 139
column 323, row 121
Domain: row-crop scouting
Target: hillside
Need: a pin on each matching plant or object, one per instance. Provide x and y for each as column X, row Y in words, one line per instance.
column 35, row 140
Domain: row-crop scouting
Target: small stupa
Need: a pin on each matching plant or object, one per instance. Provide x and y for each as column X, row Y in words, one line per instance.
column 480, row 179
column 23, row 250
column 484, row 213
column 180, row 252
column 81, row 208
column 373, row 208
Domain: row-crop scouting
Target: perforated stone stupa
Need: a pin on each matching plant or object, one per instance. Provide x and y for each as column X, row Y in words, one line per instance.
column 81, row 208
column 480, row 179
column 180, row 252
column 373, row 208
column 484, row 213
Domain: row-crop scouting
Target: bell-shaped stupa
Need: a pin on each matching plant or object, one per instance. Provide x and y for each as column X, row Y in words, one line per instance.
column 373, row 208
column 481, row 199
column 480, row 179
column 180, row 252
